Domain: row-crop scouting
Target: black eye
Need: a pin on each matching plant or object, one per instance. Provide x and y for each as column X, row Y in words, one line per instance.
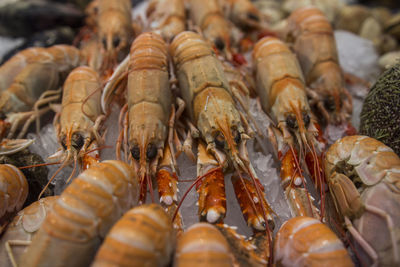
column 219, row 43
column 253, row 16
column 104, row 41
column 237, row 136
column 151, row 151
column 291, row 122
column 63, row 143
column 77, row 141
column 116, row 41
column 329, row 104
column 135, row 151
column 306, row 119
column 219, row 141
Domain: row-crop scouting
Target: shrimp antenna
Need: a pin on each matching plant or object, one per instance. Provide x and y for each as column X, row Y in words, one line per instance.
column 96, row 149
column 39, row 165
column 297, row 163
column 73, row 170
column 150, row 182
column 55, row 174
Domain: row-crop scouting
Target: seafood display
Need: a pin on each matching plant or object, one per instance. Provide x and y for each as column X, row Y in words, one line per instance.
column 187, row 132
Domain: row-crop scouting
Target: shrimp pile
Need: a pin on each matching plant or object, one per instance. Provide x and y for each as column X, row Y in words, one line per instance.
column 172, row 86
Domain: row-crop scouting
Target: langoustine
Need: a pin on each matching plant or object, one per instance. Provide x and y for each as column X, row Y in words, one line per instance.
column 167, row 17
column 148, row 117
column 280, row 85
column 314, row 44
column 36, row 74
column 13, row 192
column 208, row 16
column 364, row 180
column 242, row 12
column 144, row 236
column 203, row 245
column 78, row 121
column 83, row 214
column 115, row 31
column 305, row 241
column 212, row 110
column 22, row 228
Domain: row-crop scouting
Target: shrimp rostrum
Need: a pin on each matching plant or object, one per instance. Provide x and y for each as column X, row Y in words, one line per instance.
column 280, row 85
column 314, row 44
column 212, row 110
column 149, row 111
column 364, row 180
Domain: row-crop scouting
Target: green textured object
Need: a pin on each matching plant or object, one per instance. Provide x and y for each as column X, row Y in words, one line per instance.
column 36, row 176
column 380, row 115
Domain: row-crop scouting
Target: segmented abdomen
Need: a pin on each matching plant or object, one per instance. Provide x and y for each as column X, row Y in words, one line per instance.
column 82, row 215
column 15, row 64
column 278, row 74
column 314, row 42
column 305, row 241
column 144, row 236
column 13, row 190
column 202, row 245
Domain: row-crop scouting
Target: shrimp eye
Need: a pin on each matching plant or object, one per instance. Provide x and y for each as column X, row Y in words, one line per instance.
column 237, row 137
column 116, row 41
column 291, row 122
column 151, row 151
column 253, row 16
column 329, row 104
column 77, row 141
column 104, row 41
column 306, row 119
column 219, row 141
column 219, row 43
column 135, row 151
